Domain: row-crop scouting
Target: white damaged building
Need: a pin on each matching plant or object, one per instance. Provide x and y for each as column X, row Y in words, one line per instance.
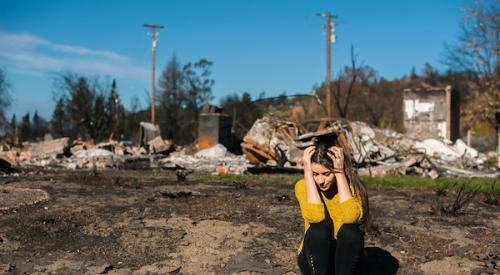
column 431, row 113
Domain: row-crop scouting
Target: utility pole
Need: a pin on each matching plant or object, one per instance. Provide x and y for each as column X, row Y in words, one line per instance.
column 154, row 38
column 330, row 38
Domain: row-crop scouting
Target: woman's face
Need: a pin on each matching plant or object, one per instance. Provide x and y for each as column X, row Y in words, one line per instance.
column 323, row 177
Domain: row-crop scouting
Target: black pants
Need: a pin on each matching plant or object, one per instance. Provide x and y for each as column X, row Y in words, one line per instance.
column 322, row 254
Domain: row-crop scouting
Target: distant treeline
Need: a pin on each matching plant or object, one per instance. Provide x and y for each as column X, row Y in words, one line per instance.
column 89, row 109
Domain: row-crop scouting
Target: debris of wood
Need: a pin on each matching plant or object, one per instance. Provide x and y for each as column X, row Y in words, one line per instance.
column 272, row 145
column 272, row 139
column 159, row 146
column 376, row 152
column 51, row 148
column 9, row 159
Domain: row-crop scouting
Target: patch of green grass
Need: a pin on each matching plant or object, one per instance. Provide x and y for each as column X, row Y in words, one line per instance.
column 484, row 185
column 488, row 185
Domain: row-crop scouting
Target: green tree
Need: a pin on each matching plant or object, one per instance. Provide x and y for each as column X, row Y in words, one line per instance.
column 5, row 99
column 183, row 90
column 114, row 111
column 80, row 106
column 13, row 130
column 243, row 113
column 89, row 106
column 37, row 126
column 59, row 119
column 25, row 128
column 171, row 98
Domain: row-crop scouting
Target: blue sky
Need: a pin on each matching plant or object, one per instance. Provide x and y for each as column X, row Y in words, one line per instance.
column 256, row 45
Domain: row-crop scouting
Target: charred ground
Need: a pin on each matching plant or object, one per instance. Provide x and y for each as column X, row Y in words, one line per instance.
column 130, row 221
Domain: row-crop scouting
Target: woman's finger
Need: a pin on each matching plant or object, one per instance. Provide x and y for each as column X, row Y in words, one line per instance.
column 338, row 151
column 333, row 153
column 330, row 154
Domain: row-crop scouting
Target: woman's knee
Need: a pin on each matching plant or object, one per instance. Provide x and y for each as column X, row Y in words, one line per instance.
column 318, row 232
column 350, row 234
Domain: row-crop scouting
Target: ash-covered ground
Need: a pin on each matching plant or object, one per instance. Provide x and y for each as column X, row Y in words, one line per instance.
column 147, row 222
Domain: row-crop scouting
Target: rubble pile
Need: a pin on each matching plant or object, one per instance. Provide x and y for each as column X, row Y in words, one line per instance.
column 213, row 160
column 375, row 152
column 383, row 152
column 270, row 143
column 159, row 153
column 273, row 142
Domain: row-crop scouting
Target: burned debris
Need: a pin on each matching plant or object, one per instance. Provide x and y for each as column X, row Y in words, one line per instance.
column 270, row 143
column 375, row 152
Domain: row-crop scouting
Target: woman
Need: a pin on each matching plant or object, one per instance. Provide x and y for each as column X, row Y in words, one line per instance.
column 333, row 202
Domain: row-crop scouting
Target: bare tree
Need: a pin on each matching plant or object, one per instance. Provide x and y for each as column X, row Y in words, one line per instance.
column 348, row 76
column 477, row 51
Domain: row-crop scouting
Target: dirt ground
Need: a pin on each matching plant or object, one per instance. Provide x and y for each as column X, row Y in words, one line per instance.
column 146, row 222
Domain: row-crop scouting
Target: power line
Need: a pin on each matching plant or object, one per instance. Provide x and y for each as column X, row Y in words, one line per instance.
column 330, row 38
column 154, row 38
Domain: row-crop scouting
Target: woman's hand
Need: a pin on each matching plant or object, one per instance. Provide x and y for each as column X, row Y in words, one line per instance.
column 306, row 157
column 337, row 156
column 312, row 193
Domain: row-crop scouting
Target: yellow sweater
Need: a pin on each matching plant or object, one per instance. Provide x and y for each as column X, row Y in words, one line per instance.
column 350, row 211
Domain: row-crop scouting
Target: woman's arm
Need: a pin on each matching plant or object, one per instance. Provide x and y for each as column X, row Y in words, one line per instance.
column 343, row 187
column 312, row 194
column 337, row 155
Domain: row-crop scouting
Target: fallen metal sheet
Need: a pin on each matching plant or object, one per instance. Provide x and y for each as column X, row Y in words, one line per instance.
column 148, row 132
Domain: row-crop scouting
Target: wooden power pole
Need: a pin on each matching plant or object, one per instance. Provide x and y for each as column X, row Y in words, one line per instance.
column 330, row 38
column 154, row 38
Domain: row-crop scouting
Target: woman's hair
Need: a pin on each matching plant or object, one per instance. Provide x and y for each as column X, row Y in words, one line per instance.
column 320, row 156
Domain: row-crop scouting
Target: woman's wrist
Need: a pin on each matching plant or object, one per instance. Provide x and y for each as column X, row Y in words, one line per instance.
column 340, row 174
column 338, row 171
